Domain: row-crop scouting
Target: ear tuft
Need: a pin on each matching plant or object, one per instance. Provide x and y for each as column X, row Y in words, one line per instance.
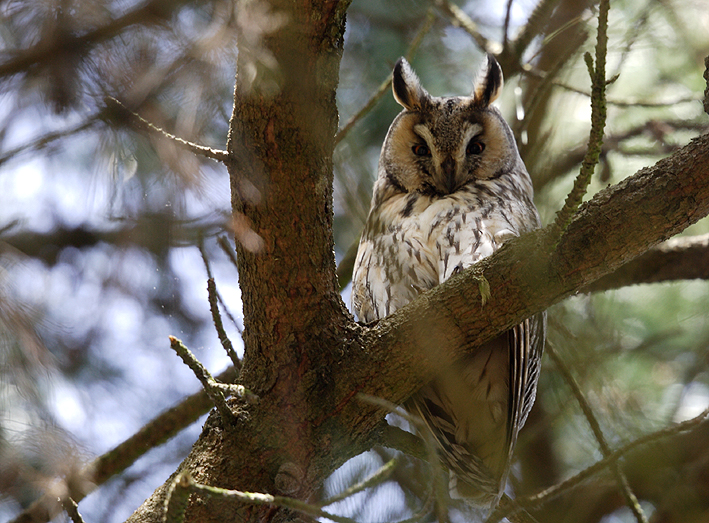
column 488, row 84
column 407, row 87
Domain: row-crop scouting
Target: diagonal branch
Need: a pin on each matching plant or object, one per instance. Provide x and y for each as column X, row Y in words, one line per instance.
column 459, row 18
column 386, row 84
column 683, row 258
column 534, row 26
column 214, row 298
column 46, row 139
column 72, row 510
column 141, row 123
column 553, row 492
column 706, row 91
column 377, row 478
column 186, row 483
column 630, row 498
column 217, row 392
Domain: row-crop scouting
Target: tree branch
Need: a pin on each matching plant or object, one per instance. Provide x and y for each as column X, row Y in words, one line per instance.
column 153, row 232
column 386, row 84
column 683, row 258
column 656, row 131
column 626, row 102
column 630, row 497
column 680, row 429
column 377, row 478
column 148, row 127
column 210, row 385
column 459, row 18
column 72, row 510
column 706, row 91
column 257, row 498
column 214, row 298
column 534, row 26
column 46, row 139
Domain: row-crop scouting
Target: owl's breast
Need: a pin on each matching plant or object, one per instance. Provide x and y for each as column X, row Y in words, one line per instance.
column 394, row 262
column 461, row 232
column 414, row 242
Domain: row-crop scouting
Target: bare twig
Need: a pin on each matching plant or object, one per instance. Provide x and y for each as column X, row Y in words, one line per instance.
column 228, row 250
column 379, row 477
column 215, row 393
column 116, row 460
column 186, row 483
column 506, row 29
column 214, row 299
column 516, row 513
column 539, row 499
column 219, row 326
column 458, row 16
column 150, row 12
column 386, row 84
column 530, row 71
column 205, row 258
column 399, row 439
column 440, row 487
column 706, row 91
column 72, row 509
column 223, row 242
column 176, row 499
column 676, row 259
column 534, row 26
column 657, row 131
column 44, row 140
column 598, row 122
column 630, row 498
column 140, row 123
column 229, row 315
column 422, row 32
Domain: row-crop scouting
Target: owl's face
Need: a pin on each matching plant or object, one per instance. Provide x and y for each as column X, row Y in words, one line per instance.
column 436, row 145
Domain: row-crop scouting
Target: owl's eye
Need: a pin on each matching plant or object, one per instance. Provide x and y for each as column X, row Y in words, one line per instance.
column 421, row 150
column 475, row 147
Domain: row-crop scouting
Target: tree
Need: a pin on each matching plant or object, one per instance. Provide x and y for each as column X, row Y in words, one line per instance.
column 307, row 366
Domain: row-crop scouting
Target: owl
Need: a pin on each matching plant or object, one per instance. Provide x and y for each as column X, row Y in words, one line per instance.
column 451, row 189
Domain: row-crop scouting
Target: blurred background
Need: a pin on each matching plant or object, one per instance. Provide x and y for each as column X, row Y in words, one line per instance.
column 108, row 234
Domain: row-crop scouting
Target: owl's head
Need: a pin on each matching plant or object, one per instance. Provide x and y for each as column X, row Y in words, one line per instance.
column 437, row 145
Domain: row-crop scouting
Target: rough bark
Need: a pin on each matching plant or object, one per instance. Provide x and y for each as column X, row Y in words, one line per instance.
column 305, row 357
column 281, row 143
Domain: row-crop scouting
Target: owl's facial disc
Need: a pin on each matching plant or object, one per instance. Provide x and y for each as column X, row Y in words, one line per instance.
column 449, row 164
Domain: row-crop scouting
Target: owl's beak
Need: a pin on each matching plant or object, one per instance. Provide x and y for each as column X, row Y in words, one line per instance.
column 448, row 167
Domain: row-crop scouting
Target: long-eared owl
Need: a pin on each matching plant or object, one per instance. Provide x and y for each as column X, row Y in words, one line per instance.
column 452, row 188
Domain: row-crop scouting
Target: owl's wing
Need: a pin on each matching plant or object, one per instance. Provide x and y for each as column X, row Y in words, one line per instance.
column 477, row 445
column 472, row 478
column 526, row 343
